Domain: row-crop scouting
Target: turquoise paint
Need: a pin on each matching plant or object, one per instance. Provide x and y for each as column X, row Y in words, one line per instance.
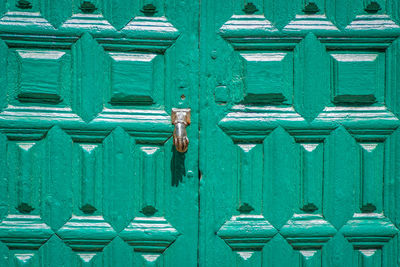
column 89, row 177
column 306, row 139
column 293, row 156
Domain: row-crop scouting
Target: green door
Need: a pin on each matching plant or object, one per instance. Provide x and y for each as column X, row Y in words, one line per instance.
column 88, row 173
column 299, row 151
column 294, row 153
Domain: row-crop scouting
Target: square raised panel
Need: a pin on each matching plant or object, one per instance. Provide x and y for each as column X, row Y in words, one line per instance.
column 358, row 78
column 40, row 76
column 134, row 78
column 268, row 77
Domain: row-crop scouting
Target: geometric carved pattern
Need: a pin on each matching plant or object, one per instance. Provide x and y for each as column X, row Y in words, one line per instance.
column 24, row 235
column 275, row 67
column 372, row 22
column 246, row 234
column 307, row 232
column 307, row 22
column 86, row 235
column 358, row 70
column 89, row 178
column 358, row 67
column 25, row 232
column 44, row 76
column 132, row 78
column 88, row 78
column 150, row 236
column 45, row 45
column 358, row 78
column 23, row 229
column 40, row 76
column 368, row 231
column 87, row 232
column 312, row 18
column 244, row 25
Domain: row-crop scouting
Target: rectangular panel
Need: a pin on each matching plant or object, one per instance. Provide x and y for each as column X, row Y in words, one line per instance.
column 39, row 76
column 358, row 77
column 268, row 77
column 136, row 79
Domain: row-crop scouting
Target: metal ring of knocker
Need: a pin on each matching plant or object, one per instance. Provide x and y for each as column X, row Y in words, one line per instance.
column 180, row 118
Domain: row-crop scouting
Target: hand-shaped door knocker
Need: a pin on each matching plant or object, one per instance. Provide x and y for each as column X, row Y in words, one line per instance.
column 180, row 118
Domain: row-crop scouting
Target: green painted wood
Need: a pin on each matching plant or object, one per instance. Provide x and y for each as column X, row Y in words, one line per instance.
column 299, row 133
column 89, row 176
column 294, row 142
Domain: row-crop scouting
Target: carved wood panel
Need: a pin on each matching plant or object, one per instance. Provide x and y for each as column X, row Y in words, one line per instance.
column 305, row 132
column 88, row 175
column 293, row 157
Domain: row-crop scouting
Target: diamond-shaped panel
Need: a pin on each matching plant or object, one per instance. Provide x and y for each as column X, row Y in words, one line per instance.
column 311, row 22
column 91, row 81
column 150, row 236
column 247, row 233
column 372, row 22
column 307, row 231
column 26, row 232
column 87, row 233
column 368, row 231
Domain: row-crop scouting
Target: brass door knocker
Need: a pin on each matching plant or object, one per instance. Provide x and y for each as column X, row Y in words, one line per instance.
column 180, row 118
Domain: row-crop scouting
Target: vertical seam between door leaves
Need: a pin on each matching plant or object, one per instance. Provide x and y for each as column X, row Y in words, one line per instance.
column 198, row 134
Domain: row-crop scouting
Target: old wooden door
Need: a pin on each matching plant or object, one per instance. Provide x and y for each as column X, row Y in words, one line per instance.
column 88, row 175
column 299, row 153
column 294, row 148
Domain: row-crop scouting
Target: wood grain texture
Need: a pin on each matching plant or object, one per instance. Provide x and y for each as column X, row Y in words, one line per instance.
column 89, row 176
column 294, row 141
column 326, row 118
